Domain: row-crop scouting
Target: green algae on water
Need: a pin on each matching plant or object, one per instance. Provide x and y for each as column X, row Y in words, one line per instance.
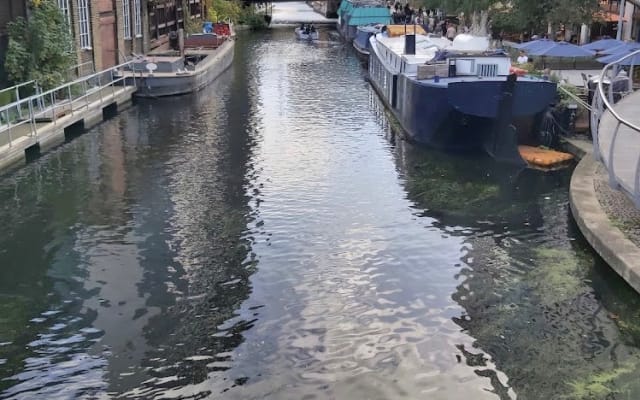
column 603, row 384
column 557, row 275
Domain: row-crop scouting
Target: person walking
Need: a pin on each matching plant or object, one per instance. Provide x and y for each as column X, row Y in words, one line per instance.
column 451, row 31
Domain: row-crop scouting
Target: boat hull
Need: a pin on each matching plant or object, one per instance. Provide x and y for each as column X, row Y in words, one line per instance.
column 301, row 35
column 160, row 85
column 361, row 43
column 463, row 115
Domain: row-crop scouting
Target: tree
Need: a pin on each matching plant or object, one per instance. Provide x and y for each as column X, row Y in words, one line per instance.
column 522, row 15
column 220, row 10
column 39, row 48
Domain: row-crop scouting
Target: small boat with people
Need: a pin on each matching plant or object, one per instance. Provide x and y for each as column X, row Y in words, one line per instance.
column 457, row 95
column 203, row 57
column 307, row 32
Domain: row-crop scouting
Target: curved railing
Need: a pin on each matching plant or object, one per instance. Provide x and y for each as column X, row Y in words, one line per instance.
column 616, row 138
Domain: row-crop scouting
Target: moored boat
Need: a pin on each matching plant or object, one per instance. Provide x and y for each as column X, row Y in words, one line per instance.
column 205, row 57
column 457, row 95
column 361, row 41
column 354, row 13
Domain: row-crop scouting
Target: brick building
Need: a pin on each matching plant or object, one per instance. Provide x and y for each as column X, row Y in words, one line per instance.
column 105, row 32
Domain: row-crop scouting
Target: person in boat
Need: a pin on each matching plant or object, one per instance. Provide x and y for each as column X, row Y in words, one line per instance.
column 302, row 27
column 312, row 28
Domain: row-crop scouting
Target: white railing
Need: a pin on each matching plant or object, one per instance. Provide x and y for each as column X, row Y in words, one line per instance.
column 14, row 96
column 21, row 117
column 618, row 148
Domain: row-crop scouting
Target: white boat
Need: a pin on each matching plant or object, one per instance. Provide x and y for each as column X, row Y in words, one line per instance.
column 307, row 34
column 206, row 56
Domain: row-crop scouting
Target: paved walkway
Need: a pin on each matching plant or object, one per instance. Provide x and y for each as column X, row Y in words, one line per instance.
column 607, row 218
column 296, row 12
column 627, row 141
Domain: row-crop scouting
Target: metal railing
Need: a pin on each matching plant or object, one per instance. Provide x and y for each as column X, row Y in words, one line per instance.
column 65, row 100
column 619, row 148
column 14, row 96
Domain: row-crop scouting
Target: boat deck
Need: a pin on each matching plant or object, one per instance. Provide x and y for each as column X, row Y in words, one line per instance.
column 204, row 64
column 443, row 82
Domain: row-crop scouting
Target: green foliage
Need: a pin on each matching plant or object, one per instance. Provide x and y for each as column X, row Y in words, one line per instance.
column 223, row 10
column 522, row 15
column 253, row 19
column 39, row 48
column 191, row 25
column 566, row 94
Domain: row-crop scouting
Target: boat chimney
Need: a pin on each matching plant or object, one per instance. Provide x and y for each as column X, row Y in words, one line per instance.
column 410, row 44
column 181, row 41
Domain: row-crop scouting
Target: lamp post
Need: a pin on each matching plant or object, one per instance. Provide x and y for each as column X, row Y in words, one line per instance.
column 621, row 6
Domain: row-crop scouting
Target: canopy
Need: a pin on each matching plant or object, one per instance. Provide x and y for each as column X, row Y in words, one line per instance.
column 635, row 60
column 534, row 44
column 369, row 15
column 624, row 47
column 562, row 49
column 603, row 44
column 607, row 16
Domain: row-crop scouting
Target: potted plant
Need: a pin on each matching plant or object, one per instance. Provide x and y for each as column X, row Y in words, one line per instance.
column 565, row 108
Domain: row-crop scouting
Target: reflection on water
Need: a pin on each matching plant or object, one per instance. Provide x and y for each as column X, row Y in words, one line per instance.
column 271, row 237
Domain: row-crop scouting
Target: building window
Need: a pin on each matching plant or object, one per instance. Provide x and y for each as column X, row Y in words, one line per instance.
column 126, row 18
column 64, row 7
column 137, row 18
column 84, row 23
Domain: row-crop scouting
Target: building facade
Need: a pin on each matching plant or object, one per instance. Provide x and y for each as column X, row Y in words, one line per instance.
column 108, row 32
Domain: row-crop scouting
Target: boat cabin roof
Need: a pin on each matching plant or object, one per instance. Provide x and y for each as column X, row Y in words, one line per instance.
column 426, row 47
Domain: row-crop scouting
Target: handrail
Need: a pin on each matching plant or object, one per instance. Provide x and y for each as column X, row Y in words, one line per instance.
column 604, row 98
column 619, row 164
column 15, row 87
column 46, row 105
column 66, row 85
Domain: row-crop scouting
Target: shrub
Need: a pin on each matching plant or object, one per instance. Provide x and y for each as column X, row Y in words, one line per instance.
column 39, row 48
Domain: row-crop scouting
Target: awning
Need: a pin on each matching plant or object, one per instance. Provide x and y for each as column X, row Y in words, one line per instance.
column 607, row 16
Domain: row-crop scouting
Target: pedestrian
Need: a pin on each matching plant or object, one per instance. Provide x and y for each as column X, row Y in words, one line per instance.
column 451, row 31
column 522, row 58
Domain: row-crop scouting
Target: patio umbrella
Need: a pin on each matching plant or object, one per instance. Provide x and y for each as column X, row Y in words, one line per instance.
column 562, row 49
column 603, row 44
column 624, row 47
column 534, row 44
column 635, row 60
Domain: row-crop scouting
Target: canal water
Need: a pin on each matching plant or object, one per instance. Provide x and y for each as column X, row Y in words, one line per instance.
column 274, row 237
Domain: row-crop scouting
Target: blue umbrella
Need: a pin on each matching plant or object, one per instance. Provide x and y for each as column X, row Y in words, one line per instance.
column 624, row 47
column 534, row 44
column 562, row 49
column 635, row 60
column 602, row 44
